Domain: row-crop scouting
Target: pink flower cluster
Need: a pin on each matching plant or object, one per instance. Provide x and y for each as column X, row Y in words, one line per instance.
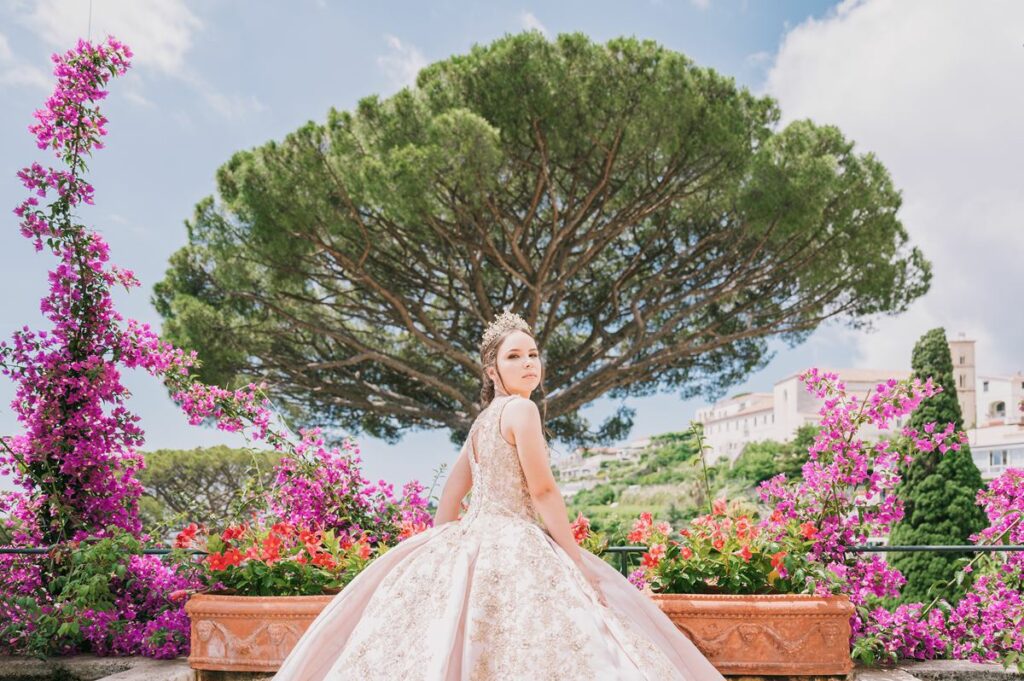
column 847, row 491
column 77, row 457
column 847, row 482
column 988, row 623
column 66, row 124
column 323, row 486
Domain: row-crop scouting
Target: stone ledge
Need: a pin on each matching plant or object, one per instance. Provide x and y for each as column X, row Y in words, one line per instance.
column 95, row 668
column 952, row 670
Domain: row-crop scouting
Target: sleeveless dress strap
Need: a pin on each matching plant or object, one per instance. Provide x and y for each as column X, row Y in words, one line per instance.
column 497, row 421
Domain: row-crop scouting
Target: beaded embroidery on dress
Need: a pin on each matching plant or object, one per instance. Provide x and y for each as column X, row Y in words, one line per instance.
column 491, row 596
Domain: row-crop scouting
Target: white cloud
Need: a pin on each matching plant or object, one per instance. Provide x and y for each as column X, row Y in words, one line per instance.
column 233, row 106
column 529, row 22
column 15, row 72
column 758, row 58
column 138, row 99
column 158, row 31
column 403, row 63
column 929, row 89
column 701, row 4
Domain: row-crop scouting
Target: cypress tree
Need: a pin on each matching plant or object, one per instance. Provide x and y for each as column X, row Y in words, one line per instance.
column 938, row 490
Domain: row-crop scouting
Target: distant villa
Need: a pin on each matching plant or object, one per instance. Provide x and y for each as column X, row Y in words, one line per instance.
column 992, row 420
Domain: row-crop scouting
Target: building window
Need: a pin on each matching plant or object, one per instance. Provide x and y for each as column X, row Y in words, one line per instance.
column 984, row 386
column 996, row 457
column 962, row 359
column 961, row 380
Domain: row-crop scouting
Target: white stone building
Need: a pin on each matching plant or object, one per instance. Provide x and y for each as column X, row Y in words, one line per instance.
column 990, row 405
column 750, row 417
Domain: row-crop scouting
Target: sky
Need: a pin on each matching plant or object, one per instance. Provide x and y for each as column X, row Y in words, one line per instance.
column 932, row 89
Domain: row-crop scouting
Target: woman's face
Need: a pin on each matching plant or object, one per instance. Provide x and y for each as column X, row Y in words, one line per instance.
column 518, row 362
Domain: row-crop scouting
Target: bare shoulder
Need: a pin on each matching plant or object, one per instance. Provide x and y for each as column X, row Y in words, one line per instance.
column 521, row 411
column 519, row 415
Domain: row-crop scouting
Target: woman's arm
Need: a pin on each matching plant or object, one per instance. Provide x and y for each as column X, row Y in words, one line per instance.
column 458, row 484
column 523, row 418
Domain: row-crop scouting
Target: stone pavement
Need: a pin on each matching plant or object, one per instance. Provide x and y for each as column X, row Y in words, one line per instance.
column 93, row 668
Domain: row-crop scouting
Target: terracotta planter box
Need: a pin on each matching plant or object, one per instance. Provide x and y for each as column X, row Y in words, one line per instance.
column 247, row 633
column 773, row 635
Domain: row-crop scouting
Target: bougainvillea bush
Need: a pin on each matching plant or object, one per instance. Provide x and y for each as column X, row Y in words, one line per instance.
column 319, row 486
column 316, row 529
column 846, row 496
column 76, row 459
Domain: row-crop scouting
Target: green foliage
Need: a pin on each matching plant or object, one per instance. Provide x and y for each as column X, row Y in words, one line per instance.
column 599, row 495
column 206, row 482
column 358, row 258
column 761, row 460
column 91, row 576
column 938, row 490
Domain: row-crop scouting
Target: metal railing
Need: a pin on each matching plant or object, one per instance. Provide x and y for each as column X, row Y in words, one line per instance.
column 624, row 551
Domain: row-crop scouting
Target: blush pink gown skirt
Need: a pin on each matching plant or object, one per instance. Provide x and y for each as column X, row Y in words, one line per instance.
column 491, row 596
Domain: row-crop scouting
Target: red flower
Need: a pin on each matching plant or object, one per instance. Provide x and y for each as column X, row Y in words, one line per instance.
column 745, row 553
column 221, row 561
column 271, row 548
column 185, row 537
column 233, row 532
column 651, row 560
column 743, row 528
column 718, row 507
column 686, row 553
column 283, row 528
column 642, row 527
column 311, row 540
column 808, row 530
column 580, row 528
column 409, row 528
column 325, row 560
column 777, row 559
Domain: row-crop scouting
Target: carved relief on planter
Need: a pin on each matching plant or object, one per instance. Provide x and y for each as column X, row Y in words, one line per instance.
column 790, row 635
column 247, row 633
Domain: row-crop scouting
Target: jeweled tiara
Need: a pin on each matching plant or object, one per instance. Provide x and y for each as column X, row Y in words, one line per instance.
column 504, row 321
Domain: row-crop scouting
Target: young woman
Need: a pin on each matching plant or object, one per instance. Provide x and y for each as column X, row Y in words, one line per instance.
column 504, row 592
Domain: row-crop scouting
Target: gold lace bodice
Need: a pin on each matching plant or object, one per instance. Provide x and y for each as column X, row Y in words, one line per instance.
column 499, row 485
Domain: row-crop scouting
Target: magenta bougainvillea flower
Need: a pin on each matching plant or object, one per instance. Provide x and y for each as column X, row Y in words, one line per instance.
column 77, row 457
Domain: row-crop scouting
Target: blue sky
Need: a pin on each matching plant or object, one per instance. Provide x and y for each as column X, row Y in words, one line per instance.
column 214, row 77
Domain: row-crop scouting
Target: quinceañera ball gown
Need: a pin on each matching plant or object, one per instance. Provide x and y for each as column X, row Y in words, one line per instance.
column 491, row 596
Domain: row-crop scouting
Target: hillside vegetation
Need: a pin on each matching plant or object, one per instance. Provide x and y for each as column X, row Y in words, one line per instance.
column 668, row 480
